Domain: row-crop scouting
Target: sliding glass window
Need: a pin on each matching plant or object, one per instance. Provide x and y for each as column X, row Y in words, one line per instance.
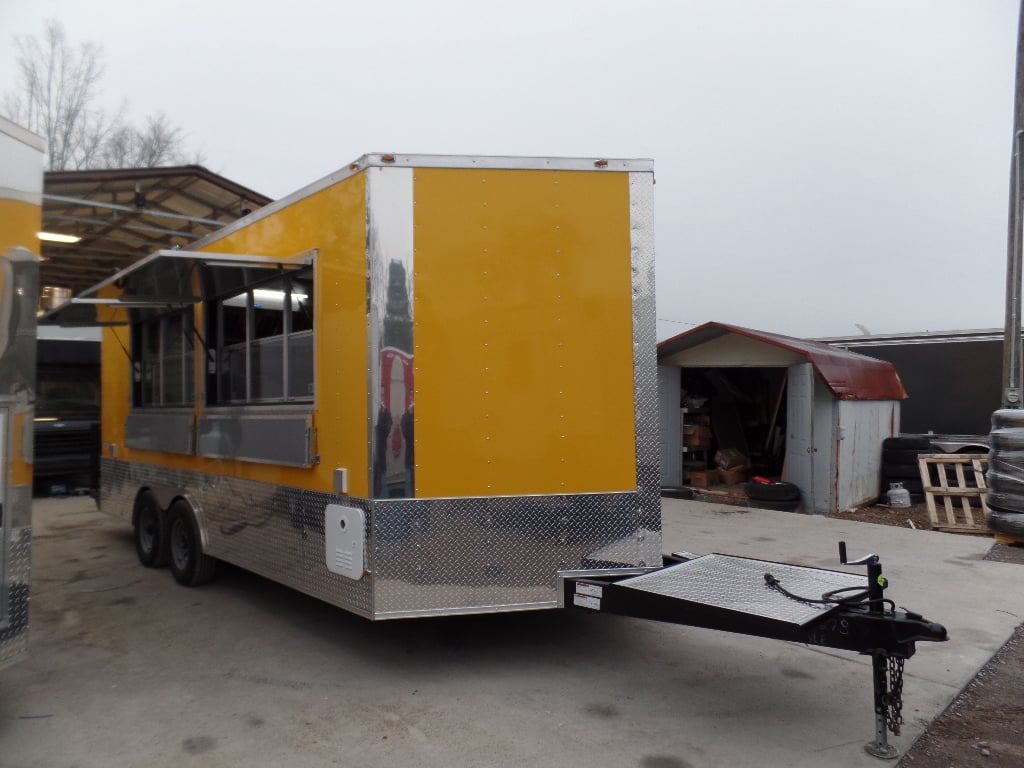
column 262, row 338
column 163, row 359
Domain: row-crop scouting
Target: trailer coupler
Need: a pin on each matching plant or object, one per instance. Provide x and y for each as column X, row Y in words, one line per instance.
column 832, row 609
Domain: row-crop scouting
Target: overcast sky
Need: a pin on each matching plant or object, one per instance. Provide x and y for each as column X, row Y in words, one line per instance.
column 819, row 163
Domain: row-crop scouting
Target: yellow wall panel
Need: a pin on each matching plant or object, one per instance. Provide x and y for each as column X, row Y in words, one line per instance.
column 19, row 225
column 523, row 333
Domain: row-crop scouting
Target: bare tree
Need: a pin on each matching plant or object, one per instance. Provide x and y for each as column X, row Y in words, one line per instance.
column 57, row 97
column 158, row 143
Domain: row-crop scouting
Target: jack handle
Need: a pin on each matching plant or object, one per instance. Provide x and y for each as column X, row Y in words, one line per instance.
column 876, row 581
column 866, row 560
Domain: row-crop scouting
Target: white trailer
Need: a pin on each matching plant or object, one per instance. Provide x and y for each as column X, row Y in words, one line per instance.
column 21, row 187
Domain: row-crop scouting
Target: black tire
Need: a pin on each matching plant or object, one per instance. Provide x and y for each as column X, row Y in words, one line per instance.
column 1011, row 523
column 149, row 531
column 788, row 505
column 919, row 444
column 677, row 492
column 901, row 470
column 777, row 492
column 1006, row 503
column 1012, row 418
column 902, row 455
column 189, row 566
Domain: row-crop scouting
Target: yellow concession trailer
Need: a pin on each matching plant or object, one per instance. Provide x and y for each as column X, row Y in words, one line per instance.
column 418, row 386
column 426, row 385
column 21, row 189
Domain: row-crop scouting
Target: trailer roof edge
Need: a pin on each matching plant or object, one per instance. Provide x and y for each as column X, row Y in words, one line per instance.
column 385, row 160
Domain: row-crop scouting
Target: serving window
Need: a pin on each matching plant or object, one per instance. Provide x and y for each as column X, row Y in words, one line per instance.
column 261, row 342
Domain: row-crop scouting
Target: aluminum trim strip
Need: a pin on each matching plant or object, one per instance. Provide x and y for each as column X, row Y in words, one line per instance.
column 373, row 160
column 509, row 162
column 645, row 374
column 390, row 331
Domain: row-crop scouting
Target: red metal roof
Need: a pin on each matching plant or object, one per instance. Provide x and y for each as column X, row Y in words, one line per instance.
column 849, row 375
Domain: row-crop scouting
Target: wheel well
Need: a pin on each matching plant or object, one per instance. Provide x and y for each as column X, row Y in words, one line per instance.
column 197, row 514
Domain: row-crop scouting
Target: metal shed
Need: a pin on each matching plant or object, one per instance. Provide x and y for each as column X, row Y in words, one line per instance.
column 809, row 412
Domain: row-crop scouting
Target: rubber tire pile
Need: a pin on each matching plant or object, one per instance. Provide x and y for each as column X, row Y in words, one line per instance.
column 899, row 464
column 1005, row 474
column 781, row 496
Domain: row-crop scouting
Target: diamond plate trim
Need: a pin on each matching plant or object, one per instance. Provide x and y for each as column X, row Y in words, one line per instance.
column 426, row 557
column 275, row 531
column 737, row 584
column 14, row 636
column 492, row 554
column 645, row 374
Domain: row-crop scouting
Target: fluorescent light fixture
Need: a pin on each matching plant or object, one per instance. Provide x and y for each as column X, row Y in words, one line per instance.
column 53, row 237
column 266, row 298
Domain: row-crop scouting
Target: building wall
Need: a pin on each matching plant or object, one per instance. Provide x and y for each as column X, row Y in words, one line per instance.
column 954, row 386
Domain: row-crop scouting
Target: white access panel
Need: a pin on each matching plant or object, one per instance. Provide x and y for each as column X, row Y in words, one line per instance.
column 344, row 532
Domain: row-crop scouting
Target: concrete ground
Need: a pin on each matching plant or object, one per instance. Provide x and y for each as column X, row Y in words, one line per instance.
column 128, row 669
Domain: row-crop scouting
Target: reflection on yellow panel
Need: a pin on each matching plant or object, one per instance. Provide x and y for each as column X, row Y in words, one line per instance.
column 524, row 380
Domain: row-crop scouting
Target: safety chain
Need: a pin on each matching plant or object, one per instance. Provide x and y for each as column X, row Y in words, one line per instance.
column 893, row 700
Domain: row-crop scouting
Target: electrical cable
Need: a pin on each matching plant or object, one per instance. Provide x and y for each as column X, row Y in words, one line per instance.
column 860, row 596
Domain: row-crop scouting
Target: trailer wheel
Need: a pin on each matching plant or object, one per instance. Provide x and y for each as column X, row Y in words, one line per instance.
column 189, row 566
column 149, row 531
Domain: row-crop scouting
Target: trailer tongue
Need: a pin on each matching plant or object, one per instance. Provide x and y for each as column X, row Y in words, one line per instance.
column 800, row 604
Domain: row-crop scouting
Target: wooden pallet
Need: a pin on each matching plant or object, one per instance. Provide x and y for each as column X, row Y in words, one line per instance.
column 948, row 476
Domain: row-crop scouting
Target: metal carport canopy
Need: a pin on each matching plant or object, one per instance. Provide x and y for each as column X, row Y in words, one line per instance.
column 122, row 215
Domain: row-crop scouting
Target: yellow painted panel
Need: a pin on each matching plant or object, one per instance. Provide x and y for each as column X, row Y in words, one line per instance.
column 20, row 222
column 334, row 221
column 523, row 333
column 115, row 375
column 19, row 225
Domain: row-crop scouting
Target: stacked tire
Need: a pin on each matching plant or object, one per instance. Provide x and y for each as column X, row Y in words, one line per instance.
column 1005, row 476
column 899, row 464
column 781, row 496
